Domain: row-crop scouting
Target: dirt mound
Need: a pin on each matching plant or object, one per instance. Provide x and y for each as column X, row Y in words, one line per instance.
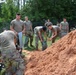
column 59, row 59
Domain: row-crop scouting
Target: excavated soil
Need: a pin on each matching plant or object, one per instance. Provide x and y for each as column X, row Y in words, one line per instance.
column 58, row 59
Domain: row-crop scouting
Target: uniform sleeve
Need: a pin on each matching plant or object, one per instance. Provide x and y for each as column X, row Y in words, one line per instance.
column 24, row 23
column 23, row 26
column 12, row 23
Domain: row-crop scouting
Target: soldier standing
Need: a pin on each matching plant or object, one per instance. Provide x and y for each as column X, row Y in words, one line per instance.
column 64, row 27
column 28, row 32
column 17, row 25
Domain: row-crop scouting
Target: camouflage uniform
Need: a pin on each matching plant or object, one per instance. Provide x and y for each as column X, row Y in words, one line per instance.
column 44, row 43
column 28, row 33
column 12, row 60
column 64, row 28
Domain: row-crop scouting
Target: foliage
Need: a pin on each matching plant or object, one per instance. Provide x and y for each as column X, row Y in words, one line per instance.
column 57, row 9
column 38, row 10
column 8, row 10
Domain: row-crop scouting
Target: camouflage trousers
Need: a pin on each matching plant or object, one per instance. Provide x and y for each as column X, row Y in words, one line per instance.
column 44, row 43
column 14, row 64
column 63, row 32
column 28, row 35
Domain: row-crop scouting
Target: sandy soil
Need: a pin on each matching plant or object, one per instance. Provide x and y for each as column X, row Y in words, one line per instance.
column 58, row 59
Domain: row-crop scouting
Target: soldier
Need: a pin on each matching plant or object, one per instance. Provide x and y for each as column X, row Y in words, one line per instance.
column 64, row 27
column 17, row 25
column 28, row 32
column 12, row 60
column 48, row 31
column 55, row 32
column 48, row 21
column 40, row 34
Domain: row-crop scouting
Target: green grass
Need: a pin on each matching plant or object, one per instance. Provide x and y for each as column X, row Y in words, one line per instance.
column 33, row 48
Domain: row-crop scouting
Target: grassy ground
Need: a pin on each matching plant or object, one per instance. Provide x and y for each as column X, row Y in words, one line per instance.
column 33, row 48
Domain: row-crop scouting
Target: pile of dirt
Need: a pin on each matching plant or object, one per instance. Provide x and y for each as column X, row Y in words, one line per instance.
column 59, row 59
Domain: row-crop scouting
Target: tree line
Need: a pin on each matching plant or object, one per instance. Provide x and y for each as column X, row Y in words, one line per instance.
column 38, row 10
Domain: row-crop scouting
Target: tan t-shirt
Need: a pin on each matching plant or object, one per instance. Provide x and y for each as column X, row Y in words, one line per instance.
column 28, row 25
column 18, row 25
column 64, row 26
